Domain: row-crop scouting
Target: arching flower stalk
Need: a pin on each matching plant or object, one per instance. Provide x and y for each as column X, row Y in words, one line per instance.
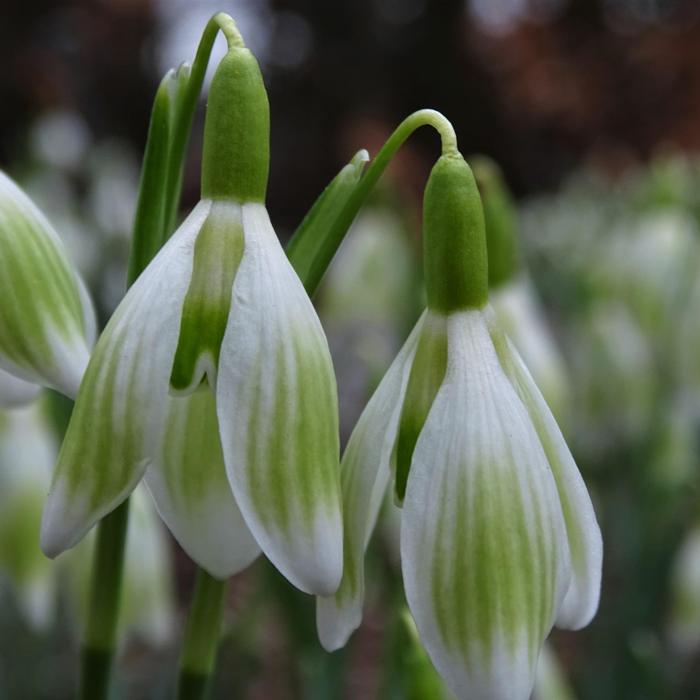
column 499, row 539
column 213, row 379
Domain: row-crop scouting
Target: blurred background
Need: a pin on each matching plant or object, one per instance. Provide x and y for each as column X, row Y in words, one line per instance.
column 591, row 108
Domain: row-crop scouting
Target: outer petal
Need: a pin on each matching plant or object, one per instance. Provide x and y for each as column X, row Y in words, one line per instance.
column 583, row 533
column 16, row 392
column 364, row 473
column 484, row 560
column 120, row 408
column 278, row 414
column 187, row 479
column 45, row 315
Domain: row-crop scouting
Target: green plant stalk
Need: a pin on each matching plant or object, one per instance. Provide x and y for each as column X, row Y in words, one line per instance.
column 156, row 207
column 103, row 605
column 201, row 636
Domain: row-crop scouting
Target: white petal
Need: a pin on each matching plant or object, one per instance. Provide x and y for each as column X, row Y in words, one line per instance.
column 278, row 414
column 485, row 562
column 119, row 412
column 365, row 472
column 16, row 392
column 585, row 541
column 187, row 479
column 44, row 327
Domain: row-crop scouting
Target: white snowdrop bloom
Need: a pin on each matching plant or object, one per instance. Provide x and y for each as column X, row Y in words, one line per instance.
column 499, row 540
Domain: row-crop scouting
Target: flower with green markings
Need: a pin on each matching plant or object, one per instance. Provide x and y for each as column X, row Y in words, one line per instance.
column 47, row 323
column 499, row 540
column 214, row 380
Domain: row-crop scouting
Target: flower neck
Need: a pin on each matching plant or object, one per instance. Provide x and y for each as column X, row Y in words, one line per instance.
column 454, row 242
column 236, row 153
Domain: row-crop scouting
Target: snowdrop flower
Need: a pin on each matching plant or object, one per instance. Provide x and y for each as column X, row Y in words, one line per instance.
column 499, row 540
column 47, row 323
column 214, row 380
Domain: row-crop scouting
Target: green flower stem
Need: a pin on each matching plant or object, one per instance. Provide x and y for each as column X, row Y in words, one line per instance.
column 157, row 205
column 201, row 636
column 103, row 606
column 311, row 268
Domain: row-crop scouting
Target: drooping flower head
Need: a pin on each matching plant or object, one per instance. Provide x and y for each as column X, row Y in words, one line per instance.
column 498, row 535
column 213, row 379
column 47, row 322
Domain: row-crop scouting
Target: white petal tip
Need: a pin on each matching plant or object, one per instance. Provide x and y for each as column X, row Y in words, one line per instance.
column 335, row 623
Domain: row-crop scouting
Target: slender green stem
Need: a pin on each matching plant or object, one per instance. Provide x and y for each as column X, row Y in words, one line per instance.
column 103, row 607
column 201, row 636
column 312, row 271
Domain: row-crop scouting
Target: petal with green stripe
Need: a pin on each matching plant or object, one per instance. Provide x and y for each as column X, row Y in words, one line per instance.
column 46, row 319
column 365, row 472
column 187, row 479
column 484, row 556
column 217, row 254
column 583, row 532
column 119, row 413
column 278, row 414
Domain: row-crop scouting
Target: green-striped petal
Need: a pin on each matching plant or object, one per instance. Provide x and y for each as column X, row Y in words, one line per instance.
column 583, row 533
column 46, row 320
column 278, row 414
column 188, row 482
column 16, row 392
column 119, row 412
column 217, row 254
column 484, row 555
column 364, row 474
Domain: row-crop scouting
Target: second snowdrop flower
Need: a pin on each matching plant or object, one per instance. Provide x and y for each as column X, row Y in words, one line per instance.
column 499, row 540
column 214, row 379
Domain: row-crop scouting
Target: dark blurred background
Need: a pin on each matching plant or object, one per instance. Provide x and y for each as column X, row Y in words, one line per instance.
column 541, row 85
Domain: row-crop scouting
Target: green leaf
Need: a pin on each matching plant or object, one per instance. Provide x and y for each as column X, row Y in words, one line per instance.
column 311, row 248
